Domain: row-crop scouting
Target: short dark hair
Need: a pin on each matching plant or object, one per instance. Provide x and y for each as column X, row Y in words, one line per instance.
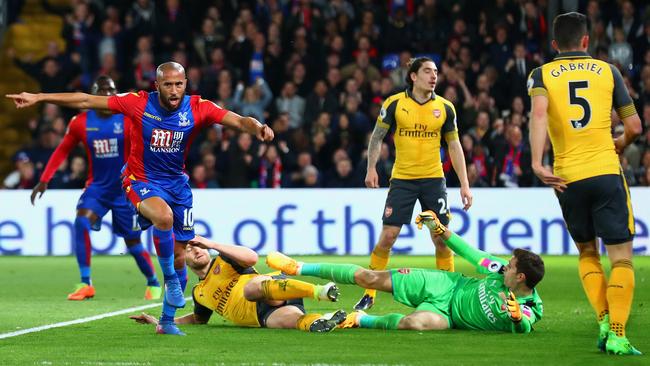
column 531, row 265
column 568, row 29
column 101, row 79
column 414, row 65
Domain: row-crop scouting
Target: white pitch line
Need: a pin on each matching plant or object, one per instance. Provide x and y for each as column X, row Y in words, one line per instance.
column 80, row 320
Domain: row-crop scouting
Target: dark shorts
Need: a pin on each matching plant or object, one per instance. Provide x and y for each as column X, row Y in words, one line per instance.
column 598, row 207
column 179, row 199
column 100, row 201
column 402, row 194
column 265, row 310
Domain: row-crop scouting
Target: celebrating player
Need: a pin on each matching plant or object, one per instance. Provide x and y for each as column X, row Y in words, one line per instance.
column 504, row 300
column 165, row 123
column 230, row 286
column 572, row 97
column 421, row 119
column 105, row 138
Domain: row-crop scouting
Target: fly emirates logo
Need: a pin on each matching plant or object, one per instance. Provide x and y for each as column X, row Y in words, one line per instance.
column 486, row 300
column 419, row 130
column 166, row 141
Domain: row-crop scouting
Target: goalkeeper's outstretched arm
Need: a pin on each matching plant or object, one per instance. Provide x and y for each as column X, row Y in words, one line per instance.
column 483, row 261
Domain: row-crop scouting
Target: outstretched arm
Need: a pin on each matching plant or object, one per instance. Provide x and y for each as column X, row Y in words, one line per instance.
column 69, row 100
column 190, row 318
column 248, row 124
column 484, row 262
column 211, row 113
column 245, row 257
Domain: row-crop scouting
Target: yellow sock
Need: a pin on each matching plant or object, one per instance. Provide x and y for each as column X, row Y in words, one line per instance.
column 620, row 291
column 378, row 262
column 305, row 321
column 594, row 282
column 445, row 260
column 379, row 259
column 287, row 289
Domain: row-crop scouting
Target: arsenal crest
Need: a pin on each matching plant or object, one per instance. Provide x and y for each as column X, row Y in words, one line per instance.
column 388, row 211
column 217, row 269
column 436, row 113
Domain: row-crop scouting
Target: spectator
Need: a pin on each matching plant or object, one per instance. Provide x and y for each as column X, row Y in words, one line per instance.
column 362, row 63
column 207, row 41
column 310, row 178
column 512, row 163
column 239, row 163
column 23, row 176
column 145, row 72
column 78, row 173
column 292, row 104
column 199, row 178
column 270, row 175
column 620, row 52
column 342, row 177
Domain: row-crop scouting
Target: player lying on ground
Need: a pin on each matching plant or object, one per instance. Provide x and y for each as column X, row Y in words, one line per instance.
column 230, row 286
column 105, row 137
column 504, row 300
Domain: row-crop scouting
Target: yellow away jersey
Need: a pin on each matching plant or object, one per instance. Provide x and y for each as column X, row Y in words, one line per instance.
column 418, row 132
column 581, row 92
column 222, row 291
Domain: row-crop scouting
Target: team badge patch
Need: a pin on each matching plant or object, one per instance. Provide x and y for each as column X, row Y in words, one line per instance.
column 217, row 269
column 388, row 211
column 404, row 270
column 182, row 119
column 492, row 266
column 437, row 113
column 117, row 128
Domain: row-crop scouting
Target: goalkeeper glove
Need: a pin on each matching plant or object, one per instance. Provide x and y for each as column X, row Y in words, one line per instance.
column 514, row 310
column 429, row 219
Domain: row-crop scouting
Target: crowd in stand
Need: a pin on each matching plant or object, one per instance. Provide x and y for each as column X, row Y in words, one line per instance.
column 317, row 72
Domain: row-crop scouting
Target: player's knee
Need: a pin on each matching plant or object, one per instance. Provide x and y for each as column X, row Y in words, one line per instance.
column 389, row 238
column 253, row 291
column 365, row 278
column 412, row 323
column 165, row 219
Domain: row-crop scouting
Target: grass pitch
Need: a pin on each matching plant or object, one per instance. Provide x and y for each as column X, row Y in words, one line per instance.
column 33, row 293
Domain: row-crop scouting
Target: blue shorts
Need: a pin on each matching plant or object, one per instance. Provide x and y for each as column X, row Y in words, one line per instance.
column 99, row 200
column 179, row 199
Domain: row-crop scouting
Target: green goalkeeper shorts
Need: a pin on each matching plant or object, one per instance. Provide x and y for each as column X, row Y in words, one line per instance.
column 425, row 289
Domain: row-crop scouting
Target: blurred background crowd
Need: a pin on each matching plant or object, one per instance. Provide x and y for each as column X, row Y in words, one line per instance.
column 317, row 72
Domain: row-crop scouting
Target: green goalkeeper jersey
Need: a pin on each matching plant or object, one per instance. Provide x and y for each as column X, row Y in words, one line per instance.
column 481, row 303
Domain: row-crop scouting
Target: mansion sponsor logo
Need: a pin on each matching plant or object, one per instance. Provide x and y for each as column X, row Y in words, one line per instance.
column 166, row 141
column 106, row 148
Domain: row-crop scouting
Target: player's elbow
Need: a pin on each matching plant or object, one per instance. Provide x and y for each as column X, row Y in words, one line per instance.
column 198, row 320
column 249, row 258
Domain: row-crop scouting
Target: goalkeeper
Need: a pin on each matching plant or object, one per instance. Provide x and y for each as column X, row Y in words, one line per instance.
column 505, row 300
